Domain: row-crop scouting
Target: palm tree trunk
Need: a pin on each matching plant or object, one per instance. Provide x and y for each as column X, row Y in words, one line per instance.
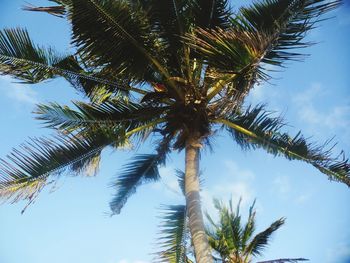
column 193, row 203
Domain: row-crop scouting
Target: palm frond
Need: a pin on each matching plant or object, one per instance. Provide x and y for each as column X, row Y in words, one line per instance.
column 249, row 227
column 211, row 13
column 169, row 20
column 254, row 128
column 143, row 168
column 227, row 51
column 22, row 59
column 28, row 169
column 264, row 33
column 56, row 10
column 181, row 180
column 111, row 112
column 173, row 235
column 283, row 23
column 225, row 237
column 16, row 44
column 261, row 240
column 117, row 34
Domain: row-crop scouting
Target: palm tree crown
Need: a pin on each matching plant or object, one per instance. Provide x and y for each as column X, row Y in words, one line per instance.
column 175, row 69
column 236, row 242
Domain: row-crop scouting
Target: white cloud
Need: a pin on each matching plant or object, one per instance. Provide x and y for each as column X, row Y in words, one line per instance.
column 262, row 93
column 19, row 93
column 237, row 172
column 318, row 117
column 168, row 184
column 236, row 184
column 309, row 94
column 303, row 198
column 282, row 185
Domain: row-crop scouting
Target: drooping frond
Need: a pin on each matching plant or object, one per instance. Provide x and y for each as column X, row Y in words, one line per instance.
column 16, row 44
column 29, row 168
column 111, row 112
column 22, row 59
column 261, row 240
column 284, row 23
column 254, row 128
column 143, row 168
column 265, row 33
column 173, row 235
column 285, row 260
column 181, row 180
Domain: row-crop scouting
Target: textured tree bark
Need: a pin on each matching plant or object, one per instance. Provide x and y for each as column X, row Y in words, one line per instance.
column 193, row 203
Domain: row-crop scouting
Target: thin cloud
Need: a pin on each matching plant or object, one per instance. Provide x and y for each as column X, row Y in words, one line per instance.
column 236, row 183
column 19, row 93
column 302, row 199
column 169, row 185
column 282, row 185
column 317, row 117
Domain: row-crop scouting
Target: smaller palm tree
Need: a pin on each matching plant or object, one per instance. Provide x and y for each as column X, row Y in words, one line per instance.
column 234, row 241
column 231, row 240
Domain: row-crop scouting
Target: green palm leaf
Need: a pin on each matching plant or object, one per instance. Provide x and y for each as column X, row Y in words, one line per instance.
column 22, row 59
column 115, row 33
column 211, row 13
column 225, row 237
column 255, row 129
column 284, row 23
column 143, row 168
column 235, row 241
column 264, row 33
column 28, row 169
column 112, row 112
column 261, row 240
column 15, row 45
column 249, row 227
column 174, row 233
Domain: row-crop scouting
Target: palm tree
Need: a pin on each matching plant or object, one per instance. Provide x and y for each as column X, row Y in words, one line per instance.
column 178, row 70
column 231, row 240
column 235, row 242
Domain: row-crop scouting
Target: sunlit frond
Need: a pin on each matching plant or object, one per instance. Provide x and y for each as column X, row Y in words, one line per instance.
column 23, row 60
column 284, row 24
column 254, row 128
column 15, row 44
column 29, row 168
column 111, row 112
column 173, row 235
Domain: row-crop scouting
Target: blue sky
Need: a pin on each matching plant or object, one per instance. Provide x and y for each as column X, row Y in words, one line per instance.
column 71, row 222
